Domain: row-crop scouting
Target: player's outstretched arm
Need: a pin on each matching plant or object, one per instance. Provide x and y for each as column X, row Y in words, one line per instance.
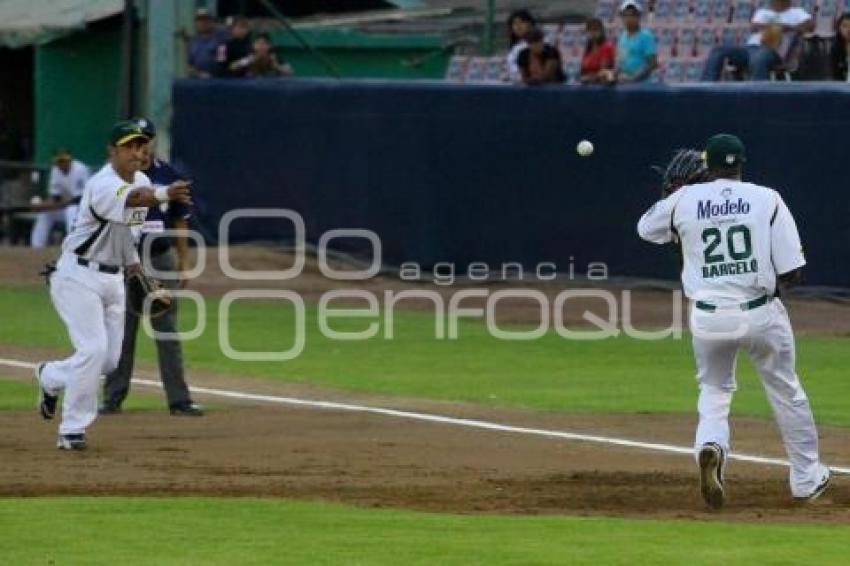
column 178, row 191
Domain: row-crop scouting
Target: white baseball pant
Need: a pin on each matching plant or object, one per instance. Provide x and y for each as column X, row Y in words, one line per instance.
column 765, row 333
column 44, row 221
column 91, row 304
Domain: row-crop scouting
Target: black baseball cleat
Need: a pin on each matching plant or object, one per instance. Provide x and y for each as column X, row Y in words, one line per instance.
column 109, row 409
column 824, row 483
column 71, row 442
column 46, row 401
column 187, row 409
column 711, row 475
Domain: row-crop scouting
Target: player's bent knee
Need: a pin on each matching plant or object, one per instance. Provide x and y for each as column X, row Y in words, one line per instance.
column 110, row 364
column 94, row 359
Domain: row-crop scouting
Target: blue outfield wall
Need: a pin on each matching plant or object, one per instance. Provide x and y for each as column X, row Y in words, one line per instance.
column 448, row 173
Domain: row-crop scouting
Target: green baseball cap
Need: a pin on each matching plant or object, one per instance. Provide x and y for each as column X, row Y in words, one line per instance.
column 724, row 150
column 126, row 131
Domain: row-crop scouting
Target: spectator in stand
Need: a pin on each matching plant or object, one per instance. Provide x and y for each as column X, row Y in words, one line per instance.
column 203, row 47
column 764, row 51
column 520, row 24
column 599, row 56
column 840, row 53
column 239, row 46
column 262, row 62
column 636, row 50
column 540, row 63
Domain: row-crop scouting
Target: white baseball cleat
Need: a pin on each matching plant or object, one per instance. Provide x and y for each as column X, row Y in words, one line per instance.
column 71, row 442
column 818, row 491
column 711, row 459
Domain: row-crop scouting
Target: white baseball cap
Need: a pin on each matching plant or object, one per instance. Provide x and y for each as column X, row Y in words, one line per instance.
column 631, row 4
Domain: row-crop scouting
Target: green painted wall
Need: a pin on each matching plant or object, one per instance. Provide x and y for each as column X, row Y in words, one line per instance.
column 77, row 81
column 358, row 55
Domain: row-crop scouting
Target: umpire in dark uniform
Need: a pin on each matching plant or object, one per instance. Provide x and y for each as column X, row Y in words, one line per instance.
column 162, row 257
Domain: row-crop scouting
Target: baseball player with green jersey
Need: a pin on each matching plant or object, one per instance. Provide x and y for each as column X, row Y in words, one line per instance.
column 739, row 243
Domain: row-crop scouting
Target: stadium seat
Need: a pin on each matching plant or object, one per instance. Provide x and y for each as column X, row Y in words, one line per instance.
column 702, row 12
column 682, row 11
column 673, row 72
column 476, row 70
column 706, row 41
column 572, row 70
column 729, row 37
column 551, row 33
column 457, row 68
column 721, row 12
column 667, row 37
column 687, row 43
column 744, row 10
column 571, row 42
column 663, row 12
column 606, row 10
column 693, row 71
column 486, row 70
column 497, row 70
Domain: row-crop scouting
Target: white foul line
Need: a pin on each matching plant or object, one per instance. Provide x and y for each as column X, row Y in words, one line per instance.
column 471, row 423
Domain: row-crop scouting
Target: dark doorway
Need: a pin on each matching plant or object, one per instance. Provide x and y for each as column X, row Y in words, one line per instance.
column 16, row 103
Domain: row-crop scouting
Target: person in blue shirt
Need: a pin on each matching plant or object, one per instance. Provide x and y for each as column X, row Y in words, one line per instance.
column 636, row 50
column 166, row 254
column 203, row 48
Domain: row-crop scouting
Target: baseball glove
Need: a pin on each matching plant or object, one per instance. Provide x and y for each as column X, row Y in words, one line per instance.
column 142, row 289
column 49, row 269
column 685, row 168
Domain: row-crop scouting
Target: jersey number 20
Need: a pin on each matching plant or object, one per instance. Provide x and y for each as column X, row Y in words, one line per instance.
column 738, row 242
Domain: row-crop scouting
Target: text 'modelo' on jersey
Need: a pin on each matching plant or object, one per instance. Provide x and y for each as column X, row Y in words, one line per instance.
column 736, row 237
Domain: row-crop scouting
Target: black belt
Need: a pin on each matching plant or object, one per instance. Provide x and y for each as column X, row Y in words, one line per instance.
column 102, row 267
column 748, row 306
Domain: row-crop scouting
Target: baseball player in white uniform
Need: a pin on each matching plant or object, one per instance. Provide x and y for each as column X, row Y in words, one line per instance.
column 65, row 187
column 739, row 241
column 87, row 288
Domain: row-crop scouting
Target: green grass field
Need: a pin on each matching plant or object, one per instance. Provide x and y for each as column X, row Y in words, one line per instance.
column 248, row 531
column 617, row 375
column 620, row 375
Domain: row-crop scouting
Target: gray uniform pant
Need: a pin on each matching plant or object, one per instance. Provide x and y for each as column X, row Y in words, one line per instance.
column 117, row 384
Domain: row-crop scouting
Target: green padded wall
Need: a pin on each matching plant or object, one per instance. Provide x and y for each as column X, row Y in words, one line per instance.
column 77, row 85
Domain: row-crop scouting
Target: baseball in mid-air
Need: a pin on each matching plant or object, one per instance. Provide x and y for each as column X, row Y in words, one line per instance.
column 584, row 148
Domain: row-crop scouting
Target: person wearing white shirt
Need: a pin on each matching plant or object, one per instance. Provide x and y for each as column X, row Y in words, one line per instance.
column 87, row 286
column 65, row 189
column 762, row 54
column 520, row 25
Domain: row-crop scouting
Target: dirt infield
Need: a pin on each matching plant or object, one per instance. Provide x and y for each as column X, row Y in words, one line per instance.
column 377, row 461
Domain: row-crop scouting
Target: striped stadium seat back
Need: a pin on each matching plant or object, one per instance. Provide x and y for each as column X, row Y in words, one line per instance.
column 456, row 70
